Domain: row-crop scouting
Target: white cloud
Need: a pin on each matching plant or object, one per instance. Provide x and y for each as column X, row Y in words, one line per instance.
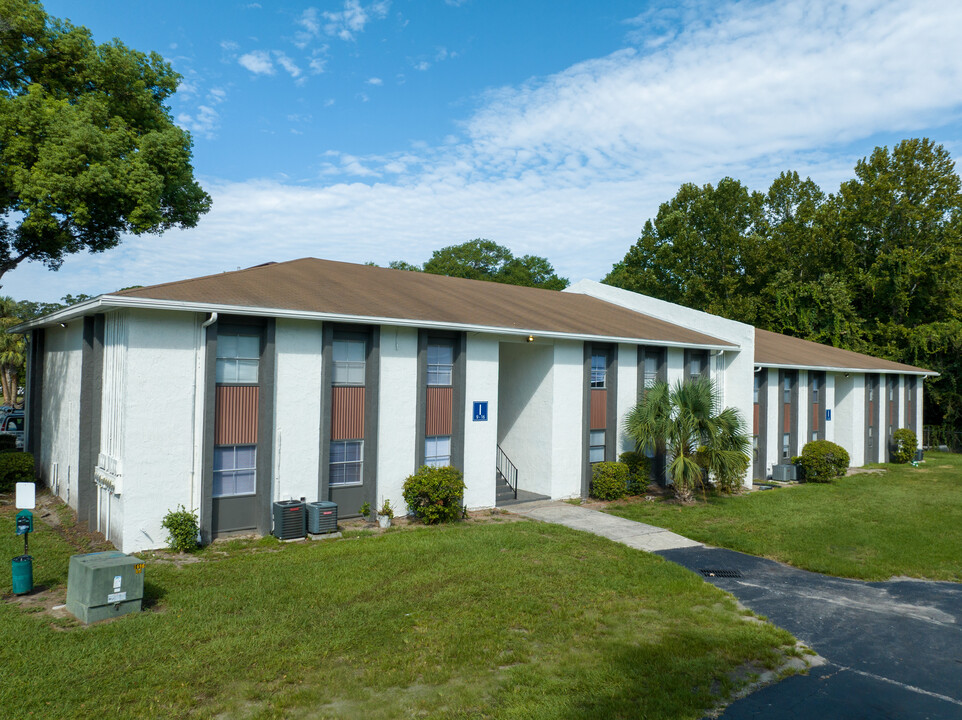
column 569, row 166
column 375, row 81
column 353, row 18
column 258, row 62
column 289, row 65
column 422, row 65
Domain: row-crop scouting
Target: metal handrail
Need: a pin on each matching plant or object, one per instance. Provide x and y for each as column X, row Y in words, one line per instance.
column 508, row 471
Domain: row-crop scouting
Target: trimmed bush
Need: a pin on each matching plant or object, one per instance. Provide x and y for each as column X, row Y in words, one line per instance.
column 181, row 526
column 904, row 443
column 15, row 467
column 823, row 461
column 434, row 494
column 639, row 472
column 609, row 480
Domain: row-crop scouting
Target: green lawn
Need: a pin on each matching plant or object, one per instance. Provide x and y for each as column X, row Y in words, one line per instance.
column 905, row 522
column 505, row 620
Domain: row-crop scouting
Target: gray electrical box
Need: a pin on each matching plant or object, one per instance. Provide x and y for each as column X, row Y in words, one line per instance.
column 104, row 585
column 785, row 473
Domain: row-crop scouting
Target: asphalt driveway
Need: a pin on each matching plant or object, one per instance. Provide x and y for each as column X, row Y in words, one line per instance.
column 894, row 649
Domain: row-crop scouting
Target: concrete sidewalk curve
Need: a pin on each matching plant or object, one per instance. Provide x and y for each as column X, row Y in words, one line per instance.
column 628, row 532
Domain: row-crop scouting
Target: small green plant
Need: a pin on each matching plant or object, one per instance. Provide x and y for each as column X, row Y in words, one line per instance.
column 822, row 461
column 386, row 509
column 904, row 443
column 181, row 526
column 434, row 494
column 609, row 480
column 639, row 472
column 15, row 467
column 365, row 510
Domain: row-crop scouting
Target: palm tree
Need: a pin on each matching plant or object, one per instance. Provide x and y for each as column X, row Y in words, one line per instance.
column 701, row 439
column 12, row 350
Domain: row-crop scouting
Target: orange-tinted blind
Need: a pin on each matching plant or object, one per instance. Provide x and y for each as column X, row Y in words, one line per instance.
column 347, row 413
column 439, row 411
column 599, row 409
column 235, row 417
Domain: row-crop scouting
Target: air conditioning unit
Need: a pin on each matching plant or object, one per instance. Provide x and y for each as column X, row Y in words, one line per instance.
column 784, row 473
column 290, row 520
column 321, row 517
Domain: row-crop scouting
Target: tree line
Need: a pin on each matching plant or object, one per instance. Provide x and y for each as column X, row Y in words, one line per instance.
column 875, row 267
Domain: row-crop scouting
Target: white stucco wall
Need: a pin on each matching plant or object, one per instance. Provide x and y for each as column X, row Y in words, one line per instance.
column 525, row 406
column 627, row 393
column 397, row 410
column 160, row 435
column 849, row 415
column 773, row 450
column 829, row 404
column 297, row 409
column 480, row 438
column 567, row 449
column 60, row 410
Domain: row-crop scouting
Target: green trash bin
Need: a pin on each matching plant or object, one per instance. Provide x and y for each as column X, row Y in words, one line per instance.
column 22, row 571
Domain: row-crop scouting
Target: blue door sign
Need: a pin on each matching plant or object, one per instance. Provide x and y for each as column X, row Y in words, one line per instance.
column 480, row 411
column 828, row 413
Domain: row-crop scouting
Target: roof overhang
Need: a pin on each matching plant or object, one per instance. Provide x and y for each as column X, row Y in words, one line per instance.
column 829, row 368
column 117, row 302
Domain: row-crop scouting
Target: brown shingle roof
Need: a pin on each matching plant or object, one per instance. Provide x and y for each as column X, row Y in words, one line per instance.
column 774, row 349
column 363, row 291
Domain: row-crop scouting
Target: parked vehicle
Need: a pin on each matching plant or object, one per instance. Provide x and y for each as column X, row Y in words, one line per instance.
column 13, row 424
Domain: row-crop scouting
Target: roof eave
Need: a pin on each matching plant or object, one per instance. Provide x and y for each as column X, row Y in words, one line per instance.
column 111, row 302
column 831, row 368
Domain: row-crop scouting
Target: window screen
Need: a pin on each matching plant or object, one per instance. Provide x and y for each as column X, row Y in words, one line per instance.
column 599, row 369
column 349, row 362
column 437, row 451
column 238, row 356
column 234, row 472
column 440, row 363
column 596, row 451
column 346, row 463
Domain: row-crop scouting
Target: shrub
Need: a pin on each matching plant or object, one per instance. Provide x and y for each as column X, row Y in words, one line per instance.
column 905, row 443
column 181, row 526
column 8, row 443
column 728, row 479
column 15, row 467
column 823, row 461
column 386, row 509
column 639, row 472
column 609, row 480
column 365, row 510
column 434, row 494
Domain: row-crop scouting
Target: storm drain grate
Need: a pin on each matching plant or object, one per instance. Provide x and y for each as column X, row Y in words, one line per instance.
column 709, row 572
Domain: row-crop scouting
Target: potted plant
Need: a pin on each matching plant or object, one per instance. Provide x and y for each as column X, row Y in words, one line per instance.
column 385, row 514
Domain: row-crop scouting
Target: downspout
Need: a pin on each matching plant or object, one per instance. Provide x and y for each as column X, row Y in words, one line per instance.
column 193, row 421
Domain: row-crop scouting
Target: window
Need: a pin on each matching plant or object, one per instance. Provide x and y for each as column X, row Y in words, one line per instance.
column 346, row 462
column 599, row 369
column 814, row 389
column 651, row 369
column 786, row 443
column 695, row 365
column 755, row 447
column 871, row 391
column 238, row 356
column 758, row 386
column 349, row 365
column 596, row 450
column 234, row 472
column 814, row 435
column 440, row 363
column 437, row 451
column 787, row 390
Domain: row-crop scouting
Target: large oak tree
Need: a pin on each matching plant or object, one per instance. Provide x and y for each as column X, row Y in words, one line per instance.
column 88, row 147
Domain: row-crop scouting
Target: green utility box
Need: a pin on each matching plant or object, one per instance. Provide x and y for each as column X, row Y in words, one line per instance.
column 104, row 585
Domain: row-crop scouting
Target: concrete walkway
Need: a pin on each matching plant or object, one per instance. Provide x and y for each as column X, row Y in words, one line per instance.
column 628, row 532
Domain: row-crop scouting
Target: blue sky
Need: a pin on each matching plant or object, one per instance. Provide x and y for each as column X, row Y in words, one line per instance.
column 383, row 130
